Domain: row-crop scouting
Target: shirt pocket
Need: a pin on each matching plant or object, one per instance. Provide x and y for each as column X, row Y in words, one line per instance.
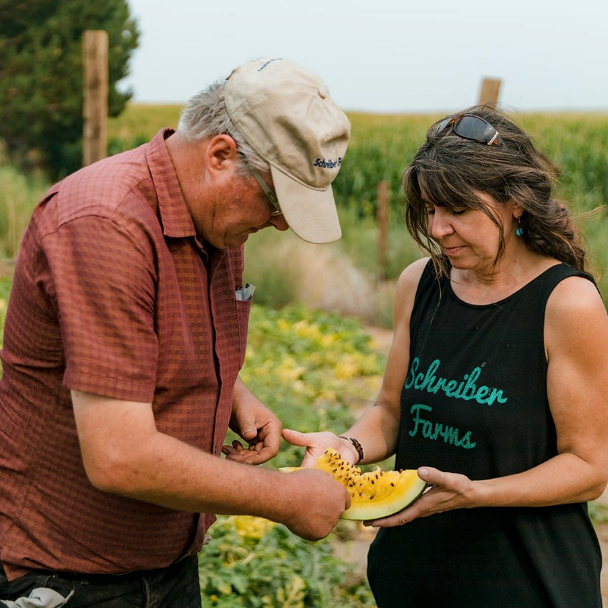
column 243, row 308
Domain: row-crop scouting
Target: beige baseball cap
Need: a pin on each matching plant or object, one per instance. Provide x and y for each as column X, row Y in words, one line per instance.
column 285, row 113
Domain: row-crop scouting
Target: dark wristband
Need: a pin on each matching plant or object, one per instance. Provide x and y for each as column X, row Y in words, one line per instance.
column 357, row 445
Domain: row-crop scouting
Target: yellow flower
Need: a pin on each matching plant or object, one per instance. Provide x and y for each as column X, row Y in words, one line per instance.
column 328, row 340
column 283, row 325
column 298, row 387
column 347, row 368
column 249, row 526
column 305, row 330
column 327, row 394
column 288, row 370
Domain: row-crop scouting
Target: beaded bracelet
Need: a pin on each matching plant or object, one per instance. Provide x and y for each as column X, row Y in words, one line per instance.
column 355, row 443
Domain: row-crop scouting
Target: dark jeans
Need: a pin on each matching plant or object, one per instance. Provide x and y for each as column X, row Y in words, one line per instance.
column 173, row 587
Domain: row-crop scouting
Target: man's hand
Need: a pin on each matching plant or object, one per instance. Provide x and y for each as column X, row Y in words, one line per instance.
column 257, row 425
column 319, row 502
column 123, row 453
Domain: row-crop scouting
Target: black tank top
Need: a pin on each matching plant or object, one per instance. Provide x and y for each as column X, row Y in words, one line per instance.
column 475, row 402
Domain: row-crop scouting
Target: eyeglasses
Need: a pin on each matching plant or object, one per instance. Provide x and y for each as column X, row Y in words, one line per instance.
column 272, row 197
column 470, row 126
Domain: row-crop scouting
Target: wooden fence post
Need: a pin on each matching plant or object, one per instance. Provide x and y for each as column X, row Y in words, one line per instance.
column 95, row 112
column 382, row 218
column 490, row 89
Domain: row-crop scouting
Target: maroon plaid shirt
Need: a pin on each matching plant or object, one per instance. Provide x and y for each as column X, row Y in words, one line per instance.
column 112, row 295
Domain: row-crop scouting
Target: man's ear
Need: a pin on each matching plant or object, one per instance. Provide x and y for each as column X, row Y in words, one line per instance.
column 221, row 152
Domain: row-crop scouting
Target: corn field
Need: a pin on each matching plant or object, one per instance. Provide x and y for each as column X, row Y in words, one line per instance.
column 381, row 146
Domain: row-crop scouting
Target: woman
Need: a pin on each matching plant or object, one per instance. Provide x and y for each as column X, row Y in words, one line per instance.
column 495, row 386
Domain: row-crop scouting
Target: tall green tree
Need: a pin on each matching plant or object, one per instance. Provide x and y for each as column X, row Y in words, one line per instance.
column 41, row 74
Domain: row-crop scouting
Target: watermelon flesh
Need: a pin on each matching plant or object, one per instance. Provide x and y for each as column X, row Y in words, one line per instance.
column 374, row 494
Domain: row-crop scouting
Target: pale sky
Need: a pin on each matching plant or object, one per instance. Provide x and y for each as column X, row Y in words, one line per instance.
column 383, row 55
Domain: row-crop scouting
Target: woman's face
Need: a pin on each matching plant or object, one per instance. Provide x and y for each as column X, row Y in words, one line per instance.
column 468, row 237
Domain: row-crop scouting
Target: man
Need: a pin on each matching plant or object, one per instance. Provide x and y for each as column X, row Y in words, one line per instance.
column 124, row 337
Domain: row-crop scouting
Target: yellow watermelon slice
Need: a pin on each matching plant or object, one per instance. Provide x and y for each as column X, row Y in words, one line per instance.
column 374, row 494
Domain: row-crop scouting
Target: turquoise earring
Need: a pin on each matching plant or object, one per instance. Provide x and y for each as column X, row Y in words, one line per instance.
column 518, row 230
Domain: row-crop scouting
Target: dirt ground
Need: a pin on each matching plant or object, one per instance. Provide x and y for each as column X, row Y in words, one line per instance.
column 355, row 550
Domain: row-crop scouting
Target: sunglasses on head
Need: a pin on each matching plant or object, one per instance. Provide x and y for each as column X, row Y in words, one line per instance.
column 470, row 126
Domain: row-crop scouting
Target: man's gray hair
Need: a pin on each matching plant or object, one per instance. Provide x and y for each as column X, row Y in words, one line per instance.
column 206, row 116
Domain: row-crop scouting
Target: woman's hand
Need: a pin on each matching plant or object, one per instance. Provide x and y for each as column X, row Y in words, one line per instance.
column 446, row 491
column 317, row 443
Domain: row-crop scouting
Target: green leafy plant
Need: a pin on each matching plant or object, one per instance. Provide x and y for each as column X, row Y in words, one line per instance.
column 312, row 368
column 253, row 563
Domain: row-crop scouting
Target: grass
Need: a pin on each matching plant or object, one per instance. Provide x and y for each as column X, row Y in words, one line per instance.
column 18, row 196
column 143, row 120
column 342, row 277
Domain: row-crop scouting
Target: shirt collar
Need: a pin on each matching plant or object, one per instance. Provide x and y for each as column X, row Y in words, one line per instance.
column 174, row 214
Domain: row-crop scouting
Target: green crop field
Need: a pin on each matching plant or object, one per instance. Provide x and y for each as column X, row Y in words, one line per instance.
column 381, row 146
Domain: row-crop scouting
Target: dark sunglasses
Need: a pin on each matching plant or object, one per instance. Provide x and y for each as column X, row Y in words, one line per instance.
column 470, row 126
